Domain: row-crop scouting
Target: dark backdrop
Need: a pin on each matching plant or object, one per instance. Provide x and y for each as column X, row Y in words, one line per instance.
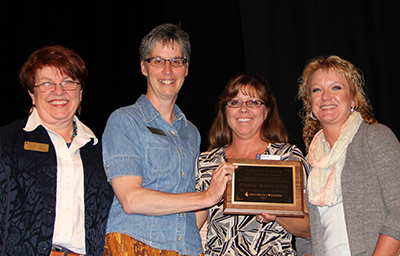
column 272, row 38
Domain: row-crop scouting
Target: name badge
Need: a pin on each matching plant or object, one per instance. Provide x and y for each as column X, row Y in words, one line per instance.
column 156, row 131
column 35, row 146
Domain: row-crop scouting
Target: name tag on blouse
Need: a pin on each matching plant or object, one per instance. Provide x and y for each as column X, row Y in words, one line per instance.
column 36, row 146
column 156, row 131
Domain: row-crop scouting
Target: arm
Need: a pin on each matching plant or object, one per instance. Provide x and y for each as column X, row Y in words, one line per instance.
column 201, row 218
column 384, row 152
column 387, row 246
column 303, row 246
column 297, row 226
column 124, row 168
column 136, row 199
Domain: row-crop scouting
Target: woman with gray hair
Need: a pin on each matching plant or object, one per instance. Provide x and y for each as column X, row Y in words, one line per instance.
column 150, row 150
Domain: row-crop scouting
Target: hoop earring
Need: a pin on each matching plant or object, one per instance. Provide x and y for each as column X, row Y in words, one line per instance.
column 31, row 109
column 312, row 116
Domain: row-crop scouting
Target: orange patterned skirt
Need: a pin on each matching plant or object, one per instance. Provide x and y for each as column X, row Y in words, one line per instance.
column 118, row 244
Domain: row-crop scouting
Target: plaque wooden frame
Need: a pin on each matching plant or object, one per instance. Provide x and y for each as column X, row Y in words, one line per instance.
column 288, row 207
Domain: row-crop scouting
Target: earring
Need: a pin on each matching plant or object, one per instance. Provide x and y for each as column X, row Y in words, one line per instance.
column 31, row 109
column 352, row 109
column 312, row 116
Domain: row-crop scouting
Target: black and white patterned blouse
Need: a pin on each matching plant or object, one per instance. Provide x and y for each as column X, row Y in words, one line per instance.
column 243, row 234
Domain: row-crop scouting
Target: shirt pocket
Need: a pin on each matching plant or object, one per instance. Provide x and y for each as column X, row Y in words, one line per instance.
column 158, row 155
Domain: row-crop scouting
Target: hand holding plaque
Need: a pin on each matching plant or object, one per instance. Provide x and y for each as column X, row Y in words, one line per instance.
column 265, row 186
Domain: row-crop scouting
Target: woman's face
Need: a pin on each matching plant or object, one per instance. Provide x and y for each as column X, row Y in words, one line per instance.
column 164, row 82
column 246, row 122
column 331, row 98
column 58, row 106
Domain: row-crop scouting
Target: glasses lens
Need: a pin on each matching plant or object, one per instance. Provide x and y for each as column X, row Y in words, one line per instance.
column 69, row 85
column 178, row 62
column 249, row 104
column 46, row 87
column 156, row 62
column 234, row 103
column 253, row 103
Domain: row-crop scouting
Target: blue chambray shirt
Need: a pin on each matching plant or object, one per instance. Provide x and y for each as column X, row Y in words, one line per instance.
column 138, row 141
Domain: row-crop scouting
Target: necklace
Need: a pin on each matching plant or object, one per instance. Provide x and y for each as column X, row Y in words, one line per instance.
column 74, row 133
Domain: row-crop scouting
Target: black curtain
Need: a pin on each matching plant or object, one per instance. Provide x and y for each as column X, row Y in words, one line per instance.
column 272, row 38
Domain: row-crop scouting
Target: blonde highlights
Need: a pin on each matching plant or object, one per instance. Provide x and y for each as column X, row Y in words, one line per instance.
column 355, row 80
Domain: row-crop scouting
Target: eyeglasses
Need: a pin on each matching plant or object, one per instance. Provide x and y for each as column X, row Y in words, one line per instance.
column 159, row 62
column 50, row 86
column 249, row 103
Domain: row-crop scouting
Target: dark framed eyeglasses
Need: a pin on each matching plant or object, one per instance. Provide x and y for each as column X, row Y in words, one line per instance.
column 249, row 103
column 159, row 62
column 51, row 86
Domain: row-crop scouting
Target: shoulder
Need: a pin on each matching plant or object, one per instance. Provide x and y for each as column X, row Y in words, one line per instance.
column 13, row 131
column 289, row 152
column 126, row 112
column 123, row 120
column 212, row 155
column 376, row 134
column 13, row 127
column 284, row 148
column 192, row 126
column 375, row 143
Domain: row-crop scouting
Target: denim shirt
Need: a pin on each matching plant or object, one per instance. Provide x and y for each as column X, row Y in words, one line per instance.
column 137, row 141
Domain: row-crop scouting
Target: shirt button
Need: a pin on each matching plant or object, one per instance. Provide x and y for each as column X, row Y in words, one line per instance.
column 173, row 133
column 180, row 151
column 181, row 214
column 182, row 173
column 180, row 238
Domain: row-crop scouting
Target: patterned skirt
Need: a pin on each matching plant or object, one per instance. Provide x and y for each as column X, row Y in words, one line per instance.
column 117, row 244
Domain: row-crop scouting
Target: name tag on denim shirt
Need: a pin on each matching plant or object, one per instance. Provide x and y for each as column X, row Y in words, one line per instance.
column 156, row 131
column 35, row 146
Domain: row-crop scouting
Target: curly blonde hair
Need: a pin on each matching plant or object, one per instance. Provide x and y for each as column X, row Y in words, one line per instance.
column 352, row 75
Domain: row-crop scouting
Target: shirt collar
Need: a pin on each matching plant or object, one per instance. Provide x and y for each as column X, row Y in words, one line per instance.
column 84, row 132
column 150, row 113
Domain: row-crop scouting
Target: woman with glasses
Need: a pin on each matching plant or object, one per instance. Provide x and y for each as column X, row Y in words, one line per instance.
column 55, row 197
column 247, row 124
column 150, row 151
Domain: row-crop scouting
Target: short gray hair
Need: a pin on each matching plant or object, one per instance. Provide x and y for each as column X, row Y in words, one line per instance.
column 166, row 34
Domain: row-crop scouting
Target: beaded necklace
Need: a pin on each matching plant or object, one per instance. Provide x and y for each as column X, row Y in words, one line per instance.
column 75, row 131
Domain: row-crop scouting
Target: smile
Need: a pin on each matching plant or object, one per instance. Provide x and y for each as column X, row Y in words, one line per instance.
column 166, row 81
column 58, row 102
column 244, row 119
column 328, row 107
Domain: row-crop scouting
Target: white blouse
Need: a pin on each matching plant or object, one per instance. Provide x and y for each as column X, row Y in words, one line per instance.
column 334, row 229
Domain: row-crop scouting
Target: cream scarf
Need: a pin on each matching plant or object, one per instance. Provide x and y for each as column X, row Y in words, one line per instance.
column 324, row 181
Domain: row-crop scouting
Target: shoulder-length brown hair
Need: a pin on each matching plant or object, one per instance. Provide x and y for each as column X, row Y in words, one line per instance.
column 57, row 56
column 272, row 129
column 355, row 80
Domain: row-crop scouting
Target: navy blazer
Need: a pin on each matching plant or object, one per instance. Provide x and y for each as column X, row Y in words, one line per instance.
column 28, row 193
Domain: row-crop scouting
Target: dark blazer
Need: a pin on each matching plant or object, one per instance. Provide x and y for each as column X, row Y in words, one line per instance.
column 28, row 193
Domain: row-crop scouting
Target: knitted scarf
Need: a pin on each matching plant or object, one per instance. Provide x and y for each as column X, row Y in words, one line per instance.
column 324, row 181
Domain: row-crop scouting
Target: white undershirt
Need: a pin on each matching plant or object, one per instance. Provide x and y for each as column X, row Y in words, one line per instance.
column 69, row 226
column 335, row 237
